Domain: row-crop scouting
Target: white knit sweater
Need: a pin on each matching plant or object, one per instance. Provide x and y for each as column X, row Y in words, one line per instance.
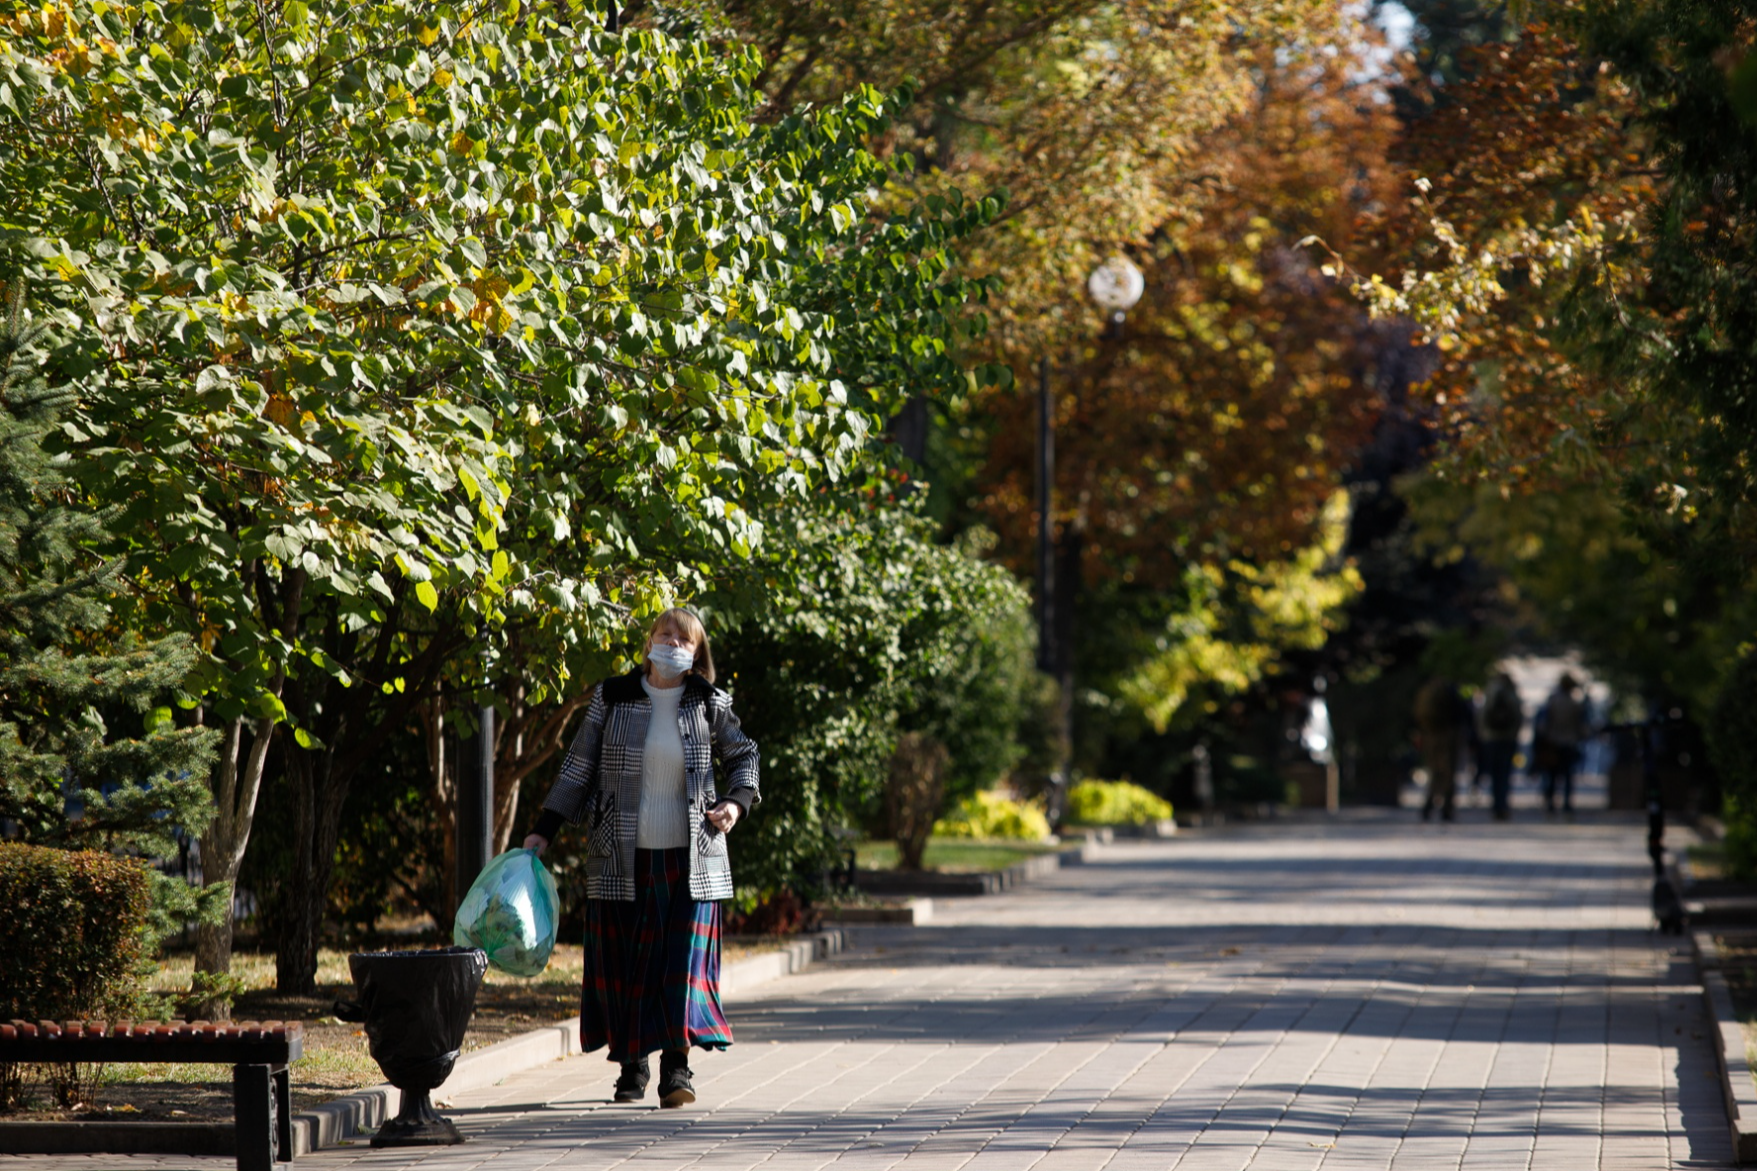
column 664, row 823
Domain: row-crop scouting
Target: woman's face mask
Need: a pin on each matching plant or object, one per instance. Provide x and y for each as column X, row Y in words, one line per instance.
column 670, row 661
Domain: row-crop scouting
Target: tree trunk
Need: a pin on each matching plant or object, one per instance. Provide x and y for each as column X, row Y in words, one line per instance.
column 213, row 953
column 908, row 429
column 915, row 788
column 441, row 770
column 509, row 745
column 319, row 791
column 237, row 782
column 527, row 738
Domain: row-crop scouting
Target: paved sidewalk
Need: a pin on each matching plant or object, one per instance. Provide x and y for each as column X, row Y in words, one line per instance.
column 1370, row 993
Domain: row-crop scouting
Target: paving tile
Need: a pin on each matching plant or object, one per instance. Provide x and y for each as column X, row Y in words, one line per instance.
column 1358, row 994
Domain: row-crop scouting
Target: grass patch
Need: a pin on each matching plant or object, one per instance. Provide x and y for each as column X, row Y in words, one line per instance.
column 954, row 855
column 257, row 970
column 336, row 1058
column 1707, row 860
column 336, row 1066
column 567, row 966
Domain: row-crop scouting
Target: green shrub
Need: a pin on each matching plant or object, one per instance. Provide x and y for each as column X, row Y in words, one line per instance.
column 1739, row 854
column 847, row 634
column 75, row 922
column 987, row 814
column 1732, row 745
column 1732, row 733
column 1115, row 803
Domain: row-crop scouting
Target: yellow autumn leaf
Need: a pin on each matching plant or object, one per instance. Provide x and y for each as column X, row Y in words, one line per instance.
column 280, row 410
column 489, row 311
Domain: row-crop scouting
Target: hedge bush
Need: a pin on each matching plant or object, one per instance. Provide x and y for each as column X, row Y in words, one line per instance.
column 989, row 815
column 1115, row 803
column 1732, row 732
column 1732, row 745
column 75, row 925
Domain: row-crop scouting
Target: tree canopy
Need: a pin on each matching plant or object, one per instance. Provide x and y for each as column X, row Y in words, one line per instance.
column 396, row 323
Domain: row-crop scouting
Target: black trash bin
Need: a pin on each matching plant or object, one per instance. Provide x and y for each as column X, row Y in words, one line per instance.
column 416, row 1006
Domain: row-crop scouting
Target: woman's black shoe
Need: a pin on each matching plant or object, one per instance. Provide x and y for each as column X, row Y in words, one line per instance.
column 675, row 1087
column 631, row 1084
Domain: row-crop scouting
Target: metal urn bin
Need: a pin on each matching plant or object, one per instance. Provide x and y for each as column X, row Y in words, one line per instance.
column 416, row 1006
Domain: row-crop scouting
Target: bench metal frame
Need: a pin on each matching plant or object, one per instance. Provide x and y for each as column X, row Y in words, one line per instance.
column 261, row 1087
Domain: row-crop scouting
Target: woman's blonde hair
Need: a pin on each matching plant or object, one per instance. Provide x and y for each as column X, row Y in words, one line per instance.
column 688, row 624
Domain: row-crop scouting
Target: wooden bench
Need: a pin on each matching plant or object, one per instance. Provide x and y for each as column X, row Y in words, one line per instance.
column 258, row 1052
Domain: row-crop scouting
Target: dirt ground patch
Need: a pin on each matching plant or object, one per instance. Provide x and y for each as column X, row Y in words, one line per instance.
column 336, row 1059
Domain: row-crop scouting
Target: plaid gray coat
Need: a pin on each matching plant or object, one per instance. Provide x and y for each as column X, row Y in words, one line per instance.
column 600, row 782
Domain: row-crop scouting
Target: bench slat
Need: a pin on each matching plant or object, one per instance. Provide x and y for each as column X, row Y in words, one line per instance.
column 270, row 1051
column 236, row 1043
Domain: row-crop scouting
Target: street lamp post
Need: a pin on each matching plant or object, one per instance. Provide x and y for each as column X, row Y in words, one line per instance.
column 1115, row 286
column 475, row 817
column 1045, row 526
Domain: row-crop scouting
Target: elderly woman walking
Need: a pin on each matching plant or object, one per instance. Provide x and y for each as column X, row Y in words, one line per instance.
column 640, row 777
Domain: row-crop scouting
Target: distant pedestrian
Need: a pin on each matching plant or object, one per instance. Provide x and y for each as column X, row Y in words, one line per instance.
column 1498, row 726
column 640, row 774
column 1440, row 713
column 1470, row 745
column 1560, row 727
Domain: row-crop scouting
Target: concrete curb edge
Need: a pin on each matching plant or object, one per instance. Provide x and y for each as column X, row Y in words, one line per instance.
column 342, row 1121
column 353, row 1116
column 1736, row 1081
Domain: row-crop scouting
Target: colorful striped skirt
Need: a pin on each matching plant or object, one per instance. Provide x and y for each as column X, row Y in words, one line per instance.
column 653, row 966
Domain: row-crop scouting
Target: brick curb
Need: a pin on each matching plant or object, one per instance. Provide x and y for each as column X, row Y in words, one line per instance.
column 353, row 1116
column 1736, row 1081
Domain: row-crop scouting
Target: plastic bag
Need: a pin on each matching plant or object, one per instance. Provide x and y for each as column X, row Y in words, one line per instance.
column 509, row 913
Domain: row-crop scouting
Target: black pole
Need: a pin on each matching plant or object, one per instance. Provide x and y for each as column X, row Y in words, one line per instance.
column 476, row 798
column 485, row 774
column 1650, row 731
column 1052, row 649
column 1045, row 524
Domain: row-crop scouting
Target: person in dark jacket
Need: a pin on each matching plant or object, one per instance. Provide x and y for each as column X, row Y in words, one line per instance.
column 1498, row 726
column 1440, row 714
column 1561, row 726
column 640, row 777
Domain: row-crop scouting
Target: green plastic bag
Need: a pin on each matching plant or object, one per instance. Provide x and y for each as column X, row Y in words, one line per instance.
column 509, row 913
